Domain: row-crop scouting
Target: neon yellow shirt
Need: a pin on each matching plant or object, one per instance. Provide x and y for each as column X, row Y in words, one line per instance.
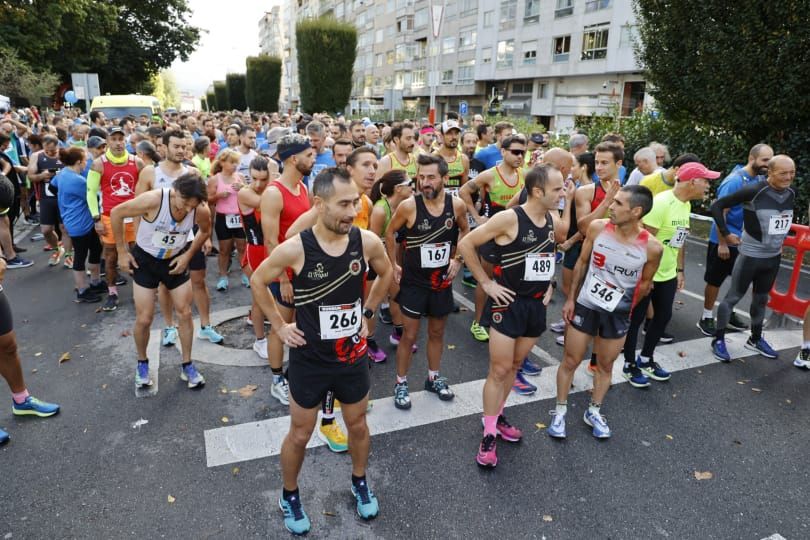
column 656, row 182
column 670, row 216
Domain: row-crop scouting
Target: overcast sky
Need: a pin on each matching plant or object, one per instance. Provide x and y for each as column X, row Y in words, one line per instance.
column 232, row 35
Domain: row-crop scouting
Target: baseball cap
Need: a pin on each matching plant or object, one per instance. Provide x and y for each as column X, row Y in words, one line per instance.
column 427, row 129
column 447, row 125
column 272, row 139
column 95, row 141
column 690, row 171
column 115, row 129
column 537, row 138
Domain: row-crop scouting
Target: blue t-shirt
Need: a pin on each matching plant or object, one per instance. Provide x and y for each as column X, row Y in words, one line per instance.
column 322, row 161
column 71, row 196
column 489, row 156
column 731, row 184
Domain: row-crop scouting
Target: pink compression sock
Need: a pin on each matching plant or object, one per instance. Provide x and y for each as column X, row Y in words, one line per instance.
column 490, row 423
column 20, row 397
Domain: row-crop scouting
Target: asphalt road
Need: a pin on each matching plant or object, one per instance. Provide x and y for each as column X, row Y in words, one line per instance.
column 88, row 473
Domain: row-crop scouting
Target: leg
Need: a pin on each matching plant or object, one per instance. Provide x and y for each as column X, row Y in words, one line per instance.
column 410, row 329
column 636, row 320
column 741, row 278
column 66, row 240
column 435, row 341
column 144, row 314
column 764, row 279
column 663, row 298
column 576, row 343
column 201, row 297
column 225, row 249
column 500, row 377
column 111, row 264
column 275, row 347
column 607, row 352
column 50, row 236
column 6, row 240
column 10, row 367
column 293, row 449
column 181, row 298
column 166, row 306
column 354, row 415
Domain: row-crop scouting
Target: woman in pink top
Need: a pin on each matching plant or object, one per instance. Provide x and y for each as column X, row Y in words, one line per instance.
column 223, row 185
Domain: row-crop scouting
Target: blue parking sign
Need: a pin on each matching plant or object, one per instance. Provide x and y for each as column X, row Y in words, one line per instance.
column 462, row 108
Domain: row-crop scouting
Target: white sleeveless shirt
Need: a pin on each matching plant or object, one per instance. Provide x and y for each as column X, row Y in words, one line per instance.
column 164, row 237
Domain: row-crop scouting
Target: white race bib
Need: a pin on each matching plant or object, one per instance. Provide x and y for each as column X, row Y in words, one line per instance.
column 471, row 221
column 452, row 191
column 339, row 321
column 678, row 237
column 435, row 255
column 169, row 240
column 539, row 267
column 233, row 221
column 780, row 225
column 603, row 294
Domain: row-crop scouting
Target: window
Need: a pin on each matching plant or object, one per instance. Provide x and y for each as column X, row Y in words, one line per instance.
column 466, row 38
column 594, row 42
column 378, row 60
column 339, row 11
column 368, row 81
column 448, row 45
column 488, row 16
column 421, row 49
column 447, row 76
column 596, row 5
column 467, row 7
column 508, row 14
column 360, row 21
column 420, row 18
column 466, row 72
column 532, row 13
column 628, row 36
column 541, row 91
column 529, row 53
column 389, row 81
column 520, row 89
column 399, row 80
column 506, row 53
column 633, row 97
column 403, row 25
column 418, row 78
column 564, row 8
column 486, row 55
column 378, row 35
column 389, row 57
column 562, row 48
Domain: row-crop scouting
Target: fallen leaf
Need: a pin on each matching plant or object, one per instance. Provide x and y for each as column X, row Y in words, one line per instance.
column 547, row 518
column 38, row 354
column 170, row 499
column 645, row 443
column 756, row 390
column 737, row 442
column 330, row 514
column 740, row 382
column 223, row 390
column 34, row 370
column 674, row 395
column 540, row 425
column 140, row 422
column 104, row 386
column 670, row 437
column 682, row 354
column 84, row 326
column 235, row 471
column 248, row 390
column 703, row 475
column 225, row 420
column 788, row 401
column 98, row 310
column 125, row 333
column 451, row 347
column 64, row 358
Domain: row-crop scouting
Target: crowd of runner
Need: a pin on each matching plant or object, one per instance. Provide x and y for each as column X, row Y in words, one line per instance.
column 342, row 228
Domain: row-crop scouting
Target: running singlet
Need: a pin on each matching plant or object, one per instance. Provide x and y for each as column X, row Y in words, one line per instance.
column 165, row 237
column 455, row 173
column 614, row 272
column 163, row 180
column 500, row 193
column 527, row 263
column 383, row 203
column 117, row 183
column 43, row 164
column 428, row 244
column 293, row 206
column 411, row 167
column 252, row 221
column 329, row 302
column 599, row 195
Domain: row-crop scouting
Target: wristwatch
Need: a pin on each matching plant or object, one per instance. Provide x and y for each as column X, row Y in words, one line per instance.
column 368, row 314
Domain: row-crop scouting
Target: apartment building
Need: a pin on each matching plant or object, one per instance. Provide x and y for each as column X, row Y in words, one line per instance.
column 550, row 60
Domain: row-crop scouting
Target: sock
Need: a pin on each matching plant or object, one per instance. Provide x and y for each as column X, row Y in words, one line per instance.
column 562, row 408
column 143, row 361
column 708, row 313
column 398, row 330
column 20, row 397
column 112, row 290
column 402, row 379
column 81, row 291
column 358, row 480
column 643, row 359
column 287, row 494
column 432, row 374
column 184, row 365
column 756, row 333
column 384, row 305
column 327, row 420
column 489, row 425
column 806, row 345
column 593, row 408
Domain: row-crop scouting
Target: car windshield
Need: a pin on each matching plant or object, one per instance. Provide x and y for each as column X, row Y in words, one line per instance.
column 122, row 112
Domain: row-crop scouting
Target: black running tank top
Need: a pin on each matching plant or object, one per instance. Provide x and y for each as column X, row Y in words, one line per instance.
column 527, row 264
column 428, row 245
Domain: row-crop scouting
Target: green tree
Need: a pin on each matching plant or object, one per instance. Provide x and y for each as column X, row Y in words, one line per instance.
column 211, row 100
column 164, row 87
column 221, row 93
column 19, row 79
column 235, row 84
column 326, row 54
column 263, row 82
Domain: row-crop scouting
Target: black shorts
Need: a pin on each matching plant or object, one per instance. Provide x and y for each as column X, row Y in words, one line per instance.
column 197, row 261
column 223, row 232
column 275, row 289
column 489, row 252
column 416, row 302
column 600, row 323
column 311, row 379
column 524, row 317
column 717, row 270
column 49, row 212
column 6, row 322
column 87, row 246
column 571, row 256
column 151, row 271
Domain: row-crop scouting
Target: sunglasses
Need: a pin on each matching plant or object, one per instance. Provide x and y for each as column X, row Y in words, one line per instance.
column 407, row 183
column 516, row 152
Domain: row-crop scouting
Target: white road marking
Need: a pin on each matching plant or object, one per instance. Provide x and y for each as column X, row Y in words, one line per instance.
column 775, row 536
column 263, row 439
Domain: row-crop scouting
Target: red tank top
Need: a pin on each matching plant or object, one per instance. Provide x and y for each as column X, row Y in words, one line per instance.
column 598, row 196
column 117, row 183
column 294, row 206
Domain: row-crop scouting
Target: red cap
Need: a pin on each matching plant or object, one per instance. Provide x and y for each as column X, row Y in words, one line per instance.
column 690, row 171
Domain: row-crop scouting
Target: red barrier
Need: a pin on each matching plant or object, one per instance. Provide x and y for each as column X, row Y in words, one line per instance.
column 787, row 302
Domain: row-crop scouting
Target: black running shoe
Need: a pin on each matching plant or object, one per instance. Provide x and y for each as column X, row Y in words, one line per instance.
column 707, row 327
column 737, row 323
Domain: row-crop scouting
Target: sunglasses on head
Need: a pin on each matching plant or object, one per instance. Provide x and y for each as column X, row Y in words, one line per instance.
column 517, row 152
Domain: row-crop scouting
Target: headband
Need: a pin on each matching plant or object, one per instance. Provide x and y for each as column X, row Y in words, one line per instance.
column 291, row 150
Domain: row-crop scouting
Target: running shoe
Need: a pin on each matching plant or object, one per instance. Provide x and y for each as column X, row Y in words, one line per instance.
column 120, row 281
column 87, row 296
column 222, row 284
column 666, row 338
column 367, row 505
column 18, row 262
column 190, row 374
column 557, row 327
column 56, row 256
column 376, row 355
column 486, row 452
column 402, row 400
column 557, row 427
column 762, row 347
column 111, row 304
column 260, row 348
column 36, row 237
column 34, row 220
column 532, row 369
column 653, row 370
column 33, row 406
column 707, row 326
column 295, row 519
column 439, row 387
column 720, row 351
column 208, row 332
column 803, row 359
column 280, row 390
column 521, row 386
column 169, row 336
column 560, row 340
column 394, row 340
column 737, row 323
column 333, row 436
column 385, row 315
column 99, row 287
column 635, row 377
column 469, row 281
column 507, row 431
column 3, row 437
column 245, row 281
column 68, row 259
column 479, row 332
column 142, row 375
column 598, row 423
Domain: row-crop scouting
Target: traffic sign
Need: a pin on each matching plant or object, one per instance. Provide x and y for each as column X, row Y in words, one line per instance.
column 462, row 108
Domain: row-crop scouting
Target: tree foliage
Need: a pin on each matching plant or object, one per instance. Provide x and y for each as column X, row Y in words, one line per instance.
column 263, row 82
column 235, row 84
column 326, row 54
column 19, row 80
column 164, row 88
column 221, row 93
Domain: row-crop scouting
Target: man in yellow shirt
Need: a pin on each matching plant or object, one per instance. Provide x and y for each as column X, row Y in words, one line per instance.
column 661, row 181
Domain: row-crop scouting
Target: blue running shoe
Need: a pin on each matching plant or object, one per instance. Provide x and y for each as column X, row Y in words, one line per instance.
column 35, row 407
column 762, row 347
column 720, row 351
column 142, row 375
column 245, row 281
column 169, row 336
column 557, row 427
column 222, row 284
column 3, row 437
column 530, row 368
column 295, row 519
column 208, row 332
column 521, row 386
column 653, row 370
column 597, row 422
column 190, row 374
column 635, row 377
column 367, row 505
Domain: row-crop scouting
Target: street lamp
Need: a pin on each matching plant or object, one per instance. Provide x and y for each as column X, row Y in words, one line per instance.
column 436, row 16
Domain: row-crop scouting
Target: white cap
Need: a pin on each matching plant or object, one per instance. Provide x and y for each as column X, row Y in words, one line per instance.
column 447, row 125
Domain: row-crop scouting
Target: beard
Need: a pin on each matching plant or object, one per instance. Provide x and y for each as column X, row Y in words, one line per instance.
column 303, row 170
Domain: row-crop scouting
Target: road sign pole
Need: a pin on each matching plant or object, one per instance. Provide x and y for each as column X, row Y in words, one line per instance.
column 436, row 16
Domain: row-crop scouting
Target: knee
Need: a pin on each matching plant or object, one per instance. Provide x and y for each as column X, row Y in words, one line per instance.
column 183, row 312
column 499, row 371
column 8, row 346
column 357, row 428
column 299, row 436
column 144, row 318
column 435, row 335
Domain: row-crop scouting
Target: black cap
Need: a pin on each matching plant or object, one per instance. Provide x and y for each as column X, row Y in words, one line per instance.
column 115, row 129
column 95, row 142
column 537, row 138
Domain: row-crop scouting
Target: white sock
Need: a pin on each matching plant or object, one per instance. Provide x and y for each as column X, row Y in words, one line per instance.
column 402, row 379
column 806, row 345
column 432, row 374
column 708, row 314
column 561, row 408
column 643, row 360
column 593, row 408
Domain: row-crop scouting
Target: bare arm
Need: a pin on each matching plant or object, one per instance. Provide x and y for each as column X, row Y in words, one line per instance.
column 467, row 190
column 383, row 166
column 500, row 225
column 585, row 218
column 404, row 213
column 146, row 180
column 654, row 252
column 379, row 262
column 563, row 223
column 377, row 220
column 581, row 266
column 305, row 221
